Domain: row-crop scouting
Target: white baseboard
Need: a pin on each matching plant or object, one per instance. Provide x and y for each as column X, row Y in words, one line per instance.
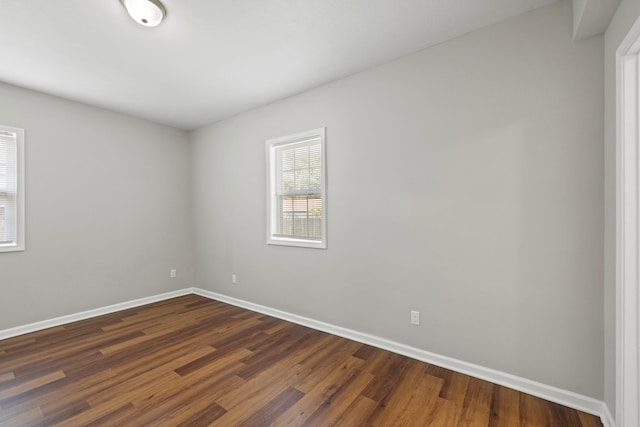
column 554, row 394
column 45, row 324
column 607, row 417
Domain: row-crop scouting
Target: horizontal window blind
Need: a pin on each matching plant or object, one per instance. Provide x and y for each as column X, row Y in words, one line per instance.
column 299, row 190
column 8, row 188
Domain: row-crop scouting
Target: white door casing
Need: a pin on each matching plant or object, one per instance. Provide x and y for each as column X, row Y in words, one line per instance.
column 627, row 230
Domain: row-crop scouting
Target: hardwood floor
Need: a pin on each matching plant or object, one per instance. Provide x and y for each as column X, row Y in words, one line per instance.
column 190, row 361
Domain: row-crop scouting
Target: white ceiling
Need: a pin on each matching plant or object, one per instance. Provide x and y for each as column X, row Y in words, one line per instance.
column 212, row 59
column 591, row 17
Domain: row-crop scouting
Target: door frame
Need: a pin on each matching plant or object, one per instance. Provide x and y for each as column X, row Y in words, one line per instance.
column 628, row 229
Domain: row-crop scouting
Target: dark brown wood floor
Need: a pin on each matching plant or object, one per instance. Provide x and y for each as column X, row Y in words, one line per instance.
column 190, row 361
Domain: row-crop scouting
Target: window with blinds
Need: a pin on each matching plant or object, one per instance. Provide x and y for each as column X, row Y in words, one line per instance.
column 296, row 199
column 11, row 189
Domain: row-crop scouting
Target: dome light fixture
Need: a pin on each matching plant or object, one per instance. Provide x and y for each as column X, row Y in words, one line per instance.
column 149, row 13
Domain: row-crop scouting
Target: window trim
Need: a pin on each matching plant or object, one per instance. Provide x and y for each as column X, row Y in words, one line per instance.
column 19, row 244
column 272, row 205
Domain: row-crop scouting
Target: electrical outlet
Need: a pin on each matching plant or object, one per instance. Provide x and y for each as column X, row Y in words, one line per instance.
column 173, row 273
column 415, row 317
column 234, row 279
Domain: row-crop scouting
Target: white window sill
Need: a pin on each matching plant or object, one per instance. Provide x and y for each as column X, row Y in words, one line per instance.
column 11, row 247
column 302, row 243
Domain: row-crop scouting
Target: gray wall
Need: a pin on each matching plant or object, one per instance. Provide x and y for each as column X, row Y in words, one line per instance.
column 626, row 15
column 107, row 209
column 464, row 181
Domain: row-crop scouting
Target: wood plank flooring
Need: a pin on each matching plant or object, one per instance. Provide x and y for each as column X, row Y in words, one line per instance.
column 190, row 361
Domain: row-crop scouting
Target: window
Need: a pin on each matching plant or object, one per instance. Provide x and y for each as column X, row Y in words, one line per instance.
column 11, row 189
column 296, row 193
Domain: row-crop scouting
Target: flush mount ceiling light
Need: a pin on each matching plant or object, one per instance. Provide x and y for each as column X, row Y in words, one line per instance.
column 149, row 13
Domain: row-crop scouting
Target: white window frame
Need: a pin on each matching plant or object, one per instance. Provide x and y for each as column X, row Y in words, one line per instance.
column 272, row 205
column 19, row 243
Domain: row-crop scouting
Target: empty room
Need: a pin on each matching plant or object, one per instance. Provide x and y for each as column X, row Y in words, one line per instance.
column 318, row 213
